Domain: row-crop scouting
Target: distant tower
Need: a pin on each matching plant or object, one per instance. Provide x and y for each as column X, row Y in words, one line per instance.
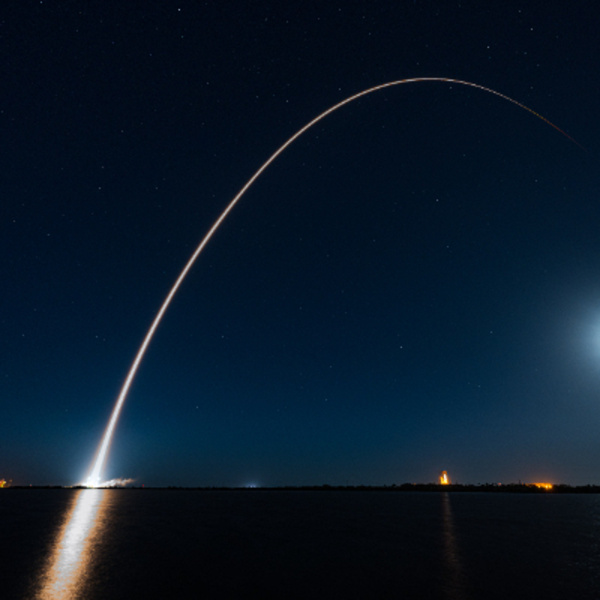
column 444, row 479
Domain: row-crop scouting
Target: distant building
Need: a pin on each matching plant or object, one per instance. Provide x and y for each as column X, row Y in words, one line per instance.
column 444, row 479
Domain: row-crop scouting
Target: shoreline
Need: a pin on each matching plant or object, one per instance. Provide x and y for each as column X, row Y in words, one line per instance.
column 518, row 488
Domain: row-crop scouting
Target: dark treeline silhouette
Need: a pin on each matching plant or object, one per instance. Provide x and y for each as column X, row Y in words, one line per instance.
column 498, row 488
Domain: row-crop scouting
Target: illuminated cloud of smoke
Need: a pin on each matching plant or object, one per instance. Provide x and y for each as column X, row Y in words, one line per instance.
column 116, row 483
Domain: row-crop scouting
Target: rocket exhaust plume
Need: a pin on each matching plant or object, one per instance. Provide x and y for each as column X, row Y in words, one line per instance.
column 95, row 475
column 116, row 483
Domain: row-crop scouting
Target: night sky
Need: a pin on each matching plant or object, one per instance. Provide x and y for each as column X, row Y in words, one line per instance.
column 413, row 286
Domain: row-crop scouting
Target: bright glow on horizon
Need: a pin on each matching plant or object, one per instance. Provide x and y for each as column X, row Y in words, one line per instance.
column 96, row 472
column 545, row 486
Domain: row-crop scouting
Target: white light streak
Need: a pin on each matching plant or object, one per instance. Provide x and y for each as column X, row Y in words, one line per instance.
column 93, row 479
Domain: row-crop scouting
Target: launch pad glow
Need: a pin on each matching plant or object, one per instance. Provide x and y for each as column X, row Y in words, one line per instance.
column 94, row 478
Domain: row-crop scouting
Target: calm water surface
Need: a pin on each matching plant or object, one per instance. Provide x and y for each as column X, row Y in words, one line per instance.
column 92, row 544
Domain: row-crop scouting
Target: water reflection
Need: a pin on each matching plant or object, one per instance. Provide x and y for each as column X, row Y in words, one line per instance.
column 454, row 579
column 72, row 551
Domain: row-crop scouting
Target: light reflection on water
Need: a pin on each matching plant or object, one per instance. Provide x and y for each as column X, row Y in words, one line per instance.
column 454, row 585
column 160, row 543
column 72, row 553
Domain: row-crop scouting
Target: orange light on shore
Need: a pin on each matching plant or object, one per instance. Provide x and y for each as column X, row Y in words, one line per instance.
column 545, row 486
column 444, row 479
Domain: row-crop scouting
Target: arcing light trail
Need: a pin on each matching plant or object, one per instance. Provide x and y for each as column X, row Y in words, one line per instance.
column 95, row 474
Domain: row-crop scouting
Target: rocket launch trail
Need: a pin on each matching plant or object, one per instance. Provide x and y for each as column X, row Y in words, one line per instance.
column 94, row 477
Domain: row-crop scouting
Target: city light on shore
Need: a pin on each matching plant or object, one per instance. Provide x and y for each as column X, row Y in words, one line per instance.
column 544, row 486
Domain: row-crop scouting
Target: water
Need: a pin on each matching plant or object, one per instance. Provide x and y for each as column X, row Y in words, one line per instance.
column 115, row 544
